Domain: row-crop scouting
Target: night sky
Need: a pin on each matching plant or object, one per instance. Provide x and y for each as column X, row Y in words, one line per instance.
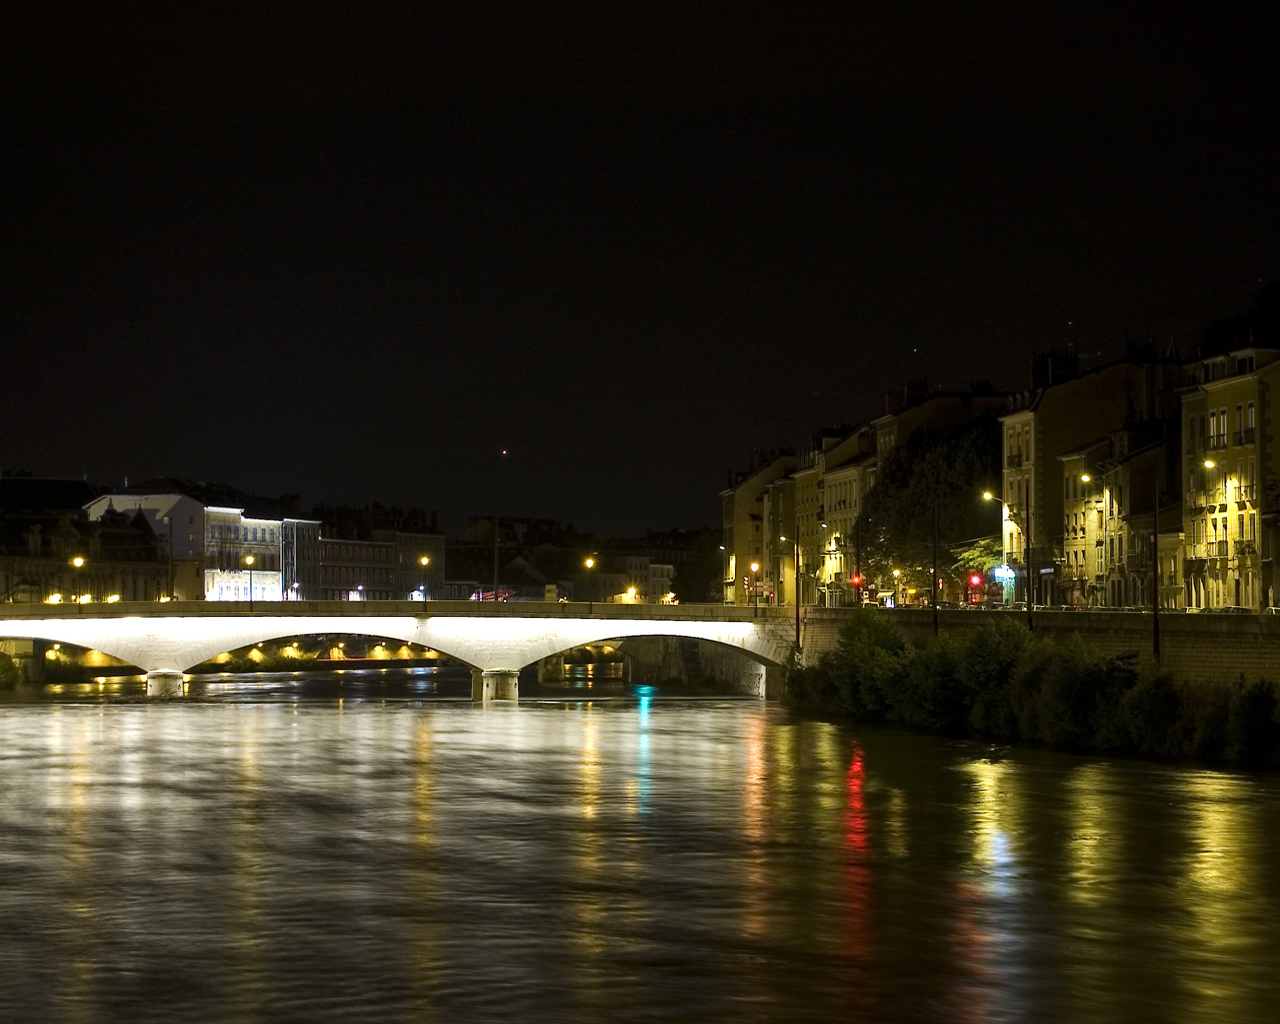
column 356, row 250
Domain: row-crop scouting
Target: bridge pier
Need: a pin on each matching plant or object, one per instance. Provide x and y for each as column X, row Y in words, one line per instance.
column 495, row 684
column 164, row 682
column 551, row 670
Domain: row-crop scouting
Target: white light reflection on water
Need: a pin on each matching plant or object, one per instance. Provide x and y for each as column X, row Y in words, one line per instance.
column 637, row 859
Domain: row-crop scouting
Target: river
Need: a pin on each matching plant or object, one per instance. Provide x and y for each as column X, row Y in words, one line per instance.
column 368, row 848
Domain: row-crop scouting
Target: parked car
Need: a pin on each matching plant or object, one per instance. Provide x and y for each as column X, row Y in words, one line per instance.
column 1232, row 609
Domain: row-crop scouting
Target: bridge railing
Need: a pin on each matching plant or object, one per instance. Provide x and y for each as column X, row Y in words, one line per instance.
column 418, row 609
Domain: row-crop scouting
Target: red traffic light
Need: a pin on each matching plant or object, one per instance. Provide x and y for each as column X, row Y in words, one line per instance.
column 856, row 580
column 975, row 580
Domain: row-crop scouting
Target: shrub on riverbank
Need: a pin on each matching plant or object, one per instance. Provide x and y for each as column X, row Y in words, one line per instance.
column 1002, row 682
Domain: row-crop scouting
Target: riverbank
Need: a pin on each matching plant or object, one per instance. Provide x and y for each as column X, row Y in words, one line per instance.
column 1002, row 682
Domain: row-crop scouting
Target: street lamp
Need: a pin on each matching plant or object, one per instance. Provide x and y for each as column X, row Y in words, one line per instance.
column 248, row 560
column 590, row 564
column 896, row 586
column 755, row 585
column 1026, row 544
column 795, row 583
column 424, row 561
column 78, row 562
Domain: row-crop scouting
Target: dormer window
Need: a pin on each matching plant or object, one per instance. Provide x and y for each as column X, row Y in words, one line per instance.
column 1245, row 364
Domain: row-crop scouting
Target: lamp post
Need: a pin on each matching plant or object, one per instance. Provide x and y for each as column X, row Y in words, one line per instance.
column 78, row 562
column 248, row 560
column 168, row 522
column 896, row 574
column 755, row 586
column 424, row 561
column 590, row 564
column 1084, row 583
column 795, row 583
column 1026, row 544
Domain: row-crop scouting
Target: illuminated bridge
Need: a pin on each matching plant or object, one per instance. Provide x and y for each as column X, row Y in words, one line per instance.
column 496, row 640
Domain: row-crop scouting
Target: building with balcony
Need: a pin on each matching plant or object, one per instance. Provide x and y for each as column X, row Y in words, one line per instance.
column 1060, row 414
column 1110, row 488
column 1230, row 510
column 743, row 506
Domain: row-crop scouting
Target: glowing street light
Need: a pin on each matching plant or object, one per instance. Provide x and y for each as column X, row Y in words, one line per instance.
column 755, row 585
column 590, row 564
column 78, row 562
column 1026, row 544
column 424, row 561
column 248, row 560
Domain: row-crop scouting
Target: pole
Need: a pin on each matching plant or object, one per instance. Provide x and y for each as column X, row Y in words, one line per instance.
column 1026, row 546
column 857, row 556
column 933, row 576
column 795, row 582
column 1155, row 577
column 250, row 588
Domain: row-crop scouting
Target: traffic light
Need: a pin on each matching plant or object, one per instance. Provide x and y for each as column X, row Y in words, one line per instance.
column 975, row 580
column 856, row 580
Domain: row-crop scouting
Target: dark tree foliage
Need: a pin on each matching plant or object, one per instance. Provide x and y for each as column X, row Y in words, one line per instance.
column 998, row 681
column 951, row 467
column 699, row 577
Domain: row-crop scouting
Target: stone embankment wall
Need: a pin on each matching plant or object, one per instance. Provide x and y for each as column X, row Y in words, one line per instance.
column 658, row 659
column 1195, row 648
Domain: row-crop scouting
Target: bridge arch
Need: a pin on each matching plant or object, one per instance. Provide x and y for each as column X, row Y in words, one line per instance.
column 163, row 642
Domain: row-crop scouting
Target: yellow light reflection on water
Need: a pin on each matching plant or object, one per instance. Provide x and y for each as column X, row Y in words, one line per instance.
column 1094, row 843
column 1221, row 883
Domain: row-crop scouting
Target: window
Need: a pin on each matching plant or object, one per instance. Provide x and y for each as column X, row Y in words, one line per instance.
column 1249, row 416
column 1222, row 424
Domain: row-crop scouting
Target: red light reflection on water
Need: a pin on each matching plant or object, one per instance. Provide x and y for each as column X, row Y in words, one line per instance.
column 857, row 873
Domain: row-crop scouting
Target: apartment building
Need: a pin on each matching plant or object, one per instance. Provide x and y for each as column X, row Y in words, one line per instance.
column 1229, row 507
column 1060, row 414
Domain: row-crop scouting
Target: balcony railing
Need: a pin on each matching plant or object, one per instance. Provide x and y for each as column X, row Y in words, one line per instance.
column 1247, row 436
column 1220, row 546
column 1013, row 461
column 1246, row 547
column 1216, row 443
column 1246, row 492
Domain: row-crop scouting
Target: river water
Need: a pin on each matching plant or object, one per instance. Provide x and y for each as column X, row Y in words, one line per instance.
column 365, row 848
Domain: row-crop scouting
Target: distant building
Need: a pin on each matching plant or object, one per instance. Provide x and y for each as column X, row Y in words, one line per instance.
column 120, row 557
column 742, row 505
column 358, row 570
column 211, row 530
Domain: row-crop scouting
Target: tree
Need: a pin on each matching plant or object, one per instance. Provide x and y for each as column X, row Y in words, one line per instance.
column 948, row 468
column 699, row 577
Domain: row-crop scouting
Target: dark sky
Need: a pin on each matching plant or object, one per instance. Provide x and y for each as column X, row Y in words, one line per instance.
column 356, row 250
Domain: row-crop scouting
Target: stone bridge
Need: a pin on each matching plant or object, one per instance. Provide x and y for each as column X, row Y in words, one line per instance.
column 496, row 640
